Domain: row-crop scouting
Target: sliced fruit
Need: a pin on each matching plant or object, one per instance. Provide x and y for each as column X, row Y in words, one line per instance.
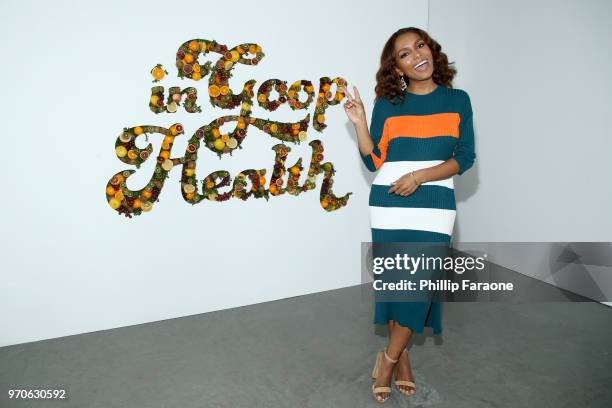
column 172, row 107
column 214, row 91
column 121, row 151
column 167, row 165
column 194, row 46
column 188, row 188
column 158, row 73
column 114, row 203
column 219, row 144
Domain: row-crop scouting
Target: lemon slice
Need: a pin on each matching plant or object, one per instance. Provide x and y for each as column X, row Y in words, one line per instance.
column 114, row 203
column 146, row 206
column 302, row 136
column 171, row 107
column 188, row 188
column 167, row 165
column 232, row 143
column 125, row 137
column 121, row 151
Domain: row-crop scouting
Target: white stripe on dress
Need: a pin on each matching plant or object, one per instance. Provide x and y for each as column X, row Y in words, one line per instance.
column 391, row 171
column 423, row 219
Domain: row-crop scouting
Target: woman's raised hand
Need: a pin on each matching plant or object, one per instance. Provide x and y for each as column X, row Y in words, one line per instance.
column 354, row 107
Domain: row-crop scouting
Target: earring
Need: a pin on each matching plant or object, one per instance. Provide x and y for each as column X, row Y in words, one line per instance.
column 402, row 83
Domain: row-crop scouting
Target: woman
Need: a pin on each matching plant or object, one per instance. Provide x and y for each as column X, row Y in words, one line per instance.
column 420, row 136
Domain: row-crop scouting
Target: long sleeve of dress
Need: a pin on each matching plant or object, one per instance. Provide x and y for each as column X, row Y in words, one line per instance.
column 378, row 133
column 465, row 151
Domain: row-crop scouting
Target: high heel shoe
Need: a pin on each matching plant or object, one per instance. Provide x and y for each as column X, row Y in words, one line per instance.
column 376, row 372
column 403, row 382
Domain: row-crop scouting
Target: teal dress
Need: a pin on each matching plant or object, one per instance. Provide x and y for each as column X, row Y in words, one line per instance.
column 420, row 132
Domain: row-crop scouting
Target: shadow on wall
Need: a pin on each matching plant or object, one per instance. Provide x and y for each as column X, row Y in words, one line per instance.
column 569, row 268
column 466, row 186
column 367, row 174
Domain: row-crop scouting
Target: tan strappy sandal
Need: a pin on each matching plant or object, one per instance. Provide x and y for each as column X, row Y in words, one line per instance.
column 403, row 382
column 375, row 372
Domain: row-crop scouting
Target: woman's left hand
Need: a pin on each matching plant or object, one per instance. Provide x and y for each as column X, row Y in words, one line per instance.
column 404, row 185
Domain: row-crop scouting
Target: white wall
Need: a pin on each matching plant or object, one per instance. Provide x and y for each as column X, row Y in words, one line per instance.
column 73, row 75
column 538, row 75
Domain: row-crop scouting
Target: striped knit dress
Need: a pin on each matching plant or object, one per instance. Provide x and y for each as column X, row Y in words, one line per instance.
column 423, row 131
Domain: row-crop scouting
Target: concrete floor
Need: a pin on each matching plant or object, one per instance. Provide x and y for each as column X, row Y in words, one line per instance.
column 318, row 351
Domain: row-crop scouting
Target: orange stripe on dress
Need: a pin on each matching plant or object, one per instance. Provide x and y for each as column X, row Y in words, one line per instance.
column 423, row 126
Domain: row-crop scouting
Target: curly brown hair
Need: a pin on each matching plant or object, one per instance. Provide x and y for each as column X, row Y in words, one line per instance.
column 387, row 80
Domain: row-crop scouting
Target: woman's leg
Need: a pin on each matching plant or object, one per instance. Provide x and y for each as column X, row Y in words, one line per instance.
column 398, row 340
column 399, row 336
column 404, row 371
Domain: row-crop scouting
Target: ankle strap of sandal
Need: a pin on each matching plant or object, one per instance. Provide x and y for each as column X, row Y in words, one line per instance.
column 389, row 358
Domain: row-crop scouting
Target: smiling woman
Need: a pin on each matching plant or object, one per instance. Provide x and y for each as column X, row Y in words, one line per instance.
column 419, row 137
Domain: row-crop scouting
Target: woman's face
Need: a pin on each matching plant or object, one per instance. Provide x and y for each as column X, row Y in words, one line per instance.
column 413, row 57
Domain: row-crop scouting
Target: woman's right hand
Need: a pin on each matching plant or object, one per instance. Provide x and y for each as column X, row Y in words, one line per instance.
column 354, row 107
